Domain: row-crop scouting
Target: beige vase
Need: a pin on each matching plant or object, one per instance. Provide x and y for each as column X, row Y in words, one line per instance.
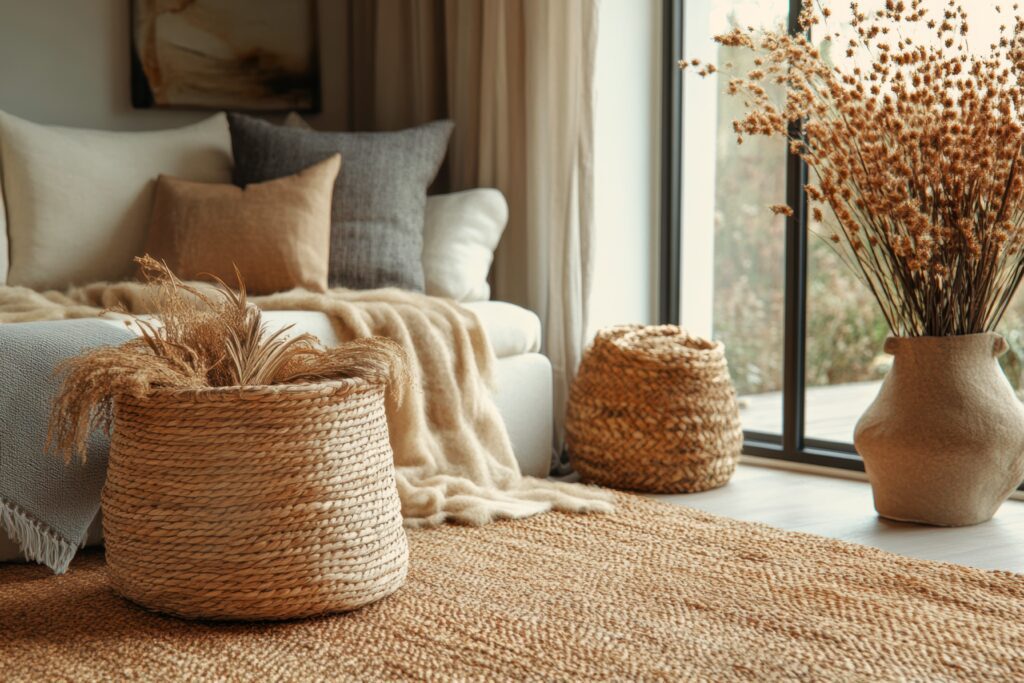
column 943, row 443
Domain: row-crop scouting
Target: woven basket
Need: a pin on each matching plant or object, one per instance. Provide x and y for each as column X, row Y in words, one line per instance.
column 264, row 503
column 653, row 409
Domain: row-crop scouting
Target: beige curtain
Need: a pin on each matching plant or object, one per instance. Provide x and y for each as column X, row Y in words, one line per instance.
column 516, row 76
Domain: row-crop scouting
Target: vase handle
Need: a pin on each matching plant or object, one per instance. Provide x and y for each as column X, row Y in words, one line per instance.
column 999, row 346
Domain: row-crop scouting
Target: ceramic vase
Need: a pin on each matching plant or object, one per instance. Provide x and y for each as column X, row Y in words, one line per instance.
column 943, row 443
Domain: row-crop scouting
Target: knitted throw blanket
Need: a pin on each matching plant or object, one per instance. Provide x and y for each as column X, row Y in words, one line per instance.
column 453, row 457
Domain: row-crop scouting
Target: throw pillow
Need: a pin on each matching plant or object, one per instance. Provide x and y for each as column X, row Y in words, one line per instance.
column 78, row 200
column 460, row 233
column 379, row 197
column 277, row 232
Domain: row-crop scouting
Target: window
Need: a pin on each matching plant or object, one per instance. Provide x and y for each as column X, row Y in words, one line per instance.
column 803, row 336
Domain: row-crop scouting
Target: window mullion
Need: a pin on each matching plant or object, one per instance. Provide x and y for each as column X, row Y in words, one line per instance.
column 795, row 319
column 671, row 172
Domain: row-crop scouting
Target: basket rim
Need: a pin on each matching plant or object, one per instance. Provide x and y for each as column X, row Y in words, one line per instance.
column 631, row 342
column 257, row 391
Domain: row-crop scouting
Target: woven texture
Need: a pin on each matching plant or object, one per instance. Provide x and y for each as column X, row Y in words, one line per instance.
column 653, row 592
column 270, row 503
column 653, row 409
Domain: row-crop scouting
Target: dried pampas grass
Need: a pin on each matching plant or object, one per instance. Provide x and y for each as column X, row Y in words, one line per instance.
column 201, row 338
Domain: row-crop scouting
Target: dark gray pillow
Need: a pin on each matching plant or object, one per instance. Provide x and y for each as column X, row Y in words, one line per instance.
column 379, row 197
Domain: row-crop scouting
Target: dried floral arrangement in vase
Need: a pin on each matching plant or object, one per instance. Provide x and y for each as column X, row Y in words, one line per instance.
column 913, row 142
column 250, row 473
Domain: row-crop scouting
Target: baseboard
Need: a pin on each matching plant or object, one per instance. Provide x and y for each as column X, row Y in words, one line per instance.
column 759, row 461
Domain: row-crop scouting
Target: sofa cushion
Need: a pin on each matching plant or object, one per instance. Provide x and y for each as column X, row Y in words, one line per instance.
column 276, row 233
column 460, row 233
column 379, row 197
column 78, row 200
column 511, row 329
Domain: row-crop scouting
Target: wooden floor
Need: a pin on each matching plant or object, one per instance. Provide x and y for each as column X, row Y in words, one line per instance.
column 842, row 508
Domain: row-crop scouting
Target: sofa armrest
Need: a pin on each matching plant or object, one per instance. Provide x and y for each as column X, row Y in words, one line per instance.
column 523, row 396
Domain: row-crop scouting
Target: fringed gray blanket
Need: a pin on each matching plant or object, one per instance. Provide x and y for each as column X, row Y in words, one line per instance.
column 45, row 505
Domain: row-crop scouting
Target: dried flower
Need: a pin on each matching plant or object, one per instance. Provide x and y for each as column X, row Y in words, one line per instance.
column 915, row 150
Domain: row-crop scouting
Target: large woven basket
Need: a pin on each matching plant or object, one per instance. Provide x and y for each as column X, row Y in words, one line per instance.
column 653, row 409
column 264, row 503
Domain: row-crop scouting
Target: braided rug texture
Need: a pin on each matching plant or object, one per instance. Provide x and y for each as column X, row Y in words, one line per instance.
column 653, row 408
column 652, row 592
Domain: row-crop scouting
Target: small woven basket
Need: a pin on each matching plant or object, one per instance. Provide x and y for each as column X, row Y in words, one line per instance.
column 653, row 409
column 259, row 503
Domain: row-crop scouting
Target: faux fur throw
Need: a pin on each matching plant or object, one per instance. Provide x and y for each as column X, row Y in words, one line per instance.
column 453, row 456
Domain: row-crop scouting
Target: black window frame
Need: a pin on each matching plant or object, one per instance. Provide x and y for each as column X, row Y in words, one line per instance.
column 792, row 445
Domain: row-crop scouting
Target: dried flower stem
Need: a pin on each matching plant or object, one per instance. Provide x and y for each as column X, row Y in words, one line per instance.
column 915, row 151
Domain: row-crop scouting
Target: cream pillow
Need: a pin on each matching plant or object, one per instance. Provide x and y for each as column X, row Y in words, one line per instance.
column 78, row 200
column 460, row 233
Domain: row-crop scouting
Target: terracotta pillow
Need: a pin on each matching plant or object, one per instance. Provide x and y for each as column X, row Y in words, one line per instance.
column 277, row 232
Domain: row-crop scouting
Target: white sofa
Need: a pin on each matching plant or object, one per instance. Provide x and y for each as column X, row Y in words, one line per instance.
column 461, row 232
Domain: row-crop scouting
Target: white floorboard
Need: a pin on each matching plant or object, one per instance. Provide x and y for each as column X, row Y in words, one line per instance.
column 842, row 508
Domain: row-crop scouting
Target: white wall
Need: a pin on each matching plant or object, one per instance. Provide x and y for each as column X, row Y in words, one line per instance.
column 67, row 62
column 627, row 161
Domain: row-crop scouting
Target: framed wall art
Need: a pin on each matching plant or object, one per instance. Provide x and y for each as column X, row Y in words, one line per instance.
column 256, row 55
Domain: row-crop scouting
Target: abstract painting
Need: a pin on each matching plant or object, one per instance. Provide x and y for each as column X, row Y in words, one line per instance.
column 258, row 55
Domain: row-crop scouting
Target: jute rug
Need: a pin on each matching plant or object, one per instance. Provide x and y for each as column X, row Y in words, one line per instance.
column 652, row 592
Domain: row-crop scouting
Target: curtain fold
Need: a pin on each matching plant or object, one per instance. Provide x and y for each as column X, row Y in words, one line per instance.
column 516, row 76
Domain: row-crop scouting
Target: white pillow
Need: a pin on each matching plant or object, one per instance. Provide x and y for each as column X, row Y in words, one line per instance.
column 460, row 232
column 78, row 200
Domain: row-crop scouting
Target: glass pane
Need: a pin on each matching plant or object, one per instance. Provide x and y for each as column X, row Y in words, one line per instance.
column 1012, row 328
column 845, row 333
column 727, row 191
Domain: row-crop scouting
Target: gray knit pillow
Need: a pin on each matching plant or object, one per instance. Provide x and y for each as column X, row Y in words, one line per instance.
column 379, row 197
